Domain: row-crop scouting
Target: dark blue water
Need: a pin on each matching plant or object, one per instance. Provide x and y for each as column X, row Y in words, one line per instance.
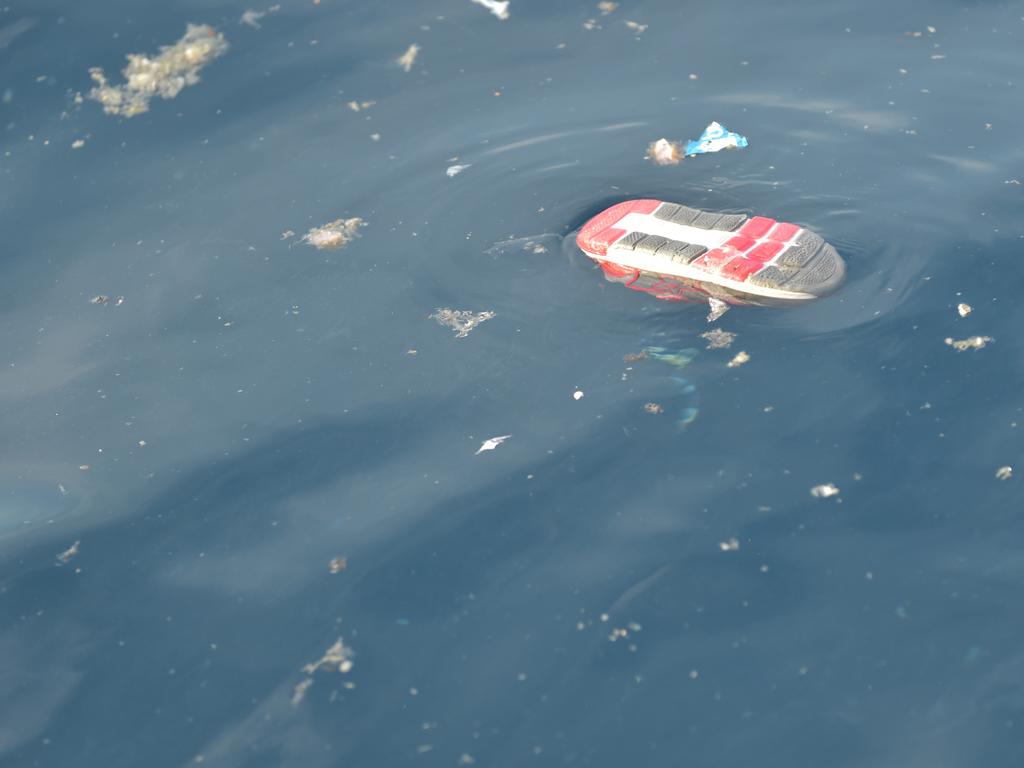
column 255, row 408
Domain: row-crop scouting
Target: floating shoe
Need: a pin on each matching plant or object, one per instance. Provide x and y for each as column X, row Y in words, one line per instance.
column 680, row 253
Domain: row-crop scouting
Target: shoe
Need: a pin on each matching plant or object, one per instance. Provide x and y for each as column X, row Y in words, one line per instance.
column 680, row 253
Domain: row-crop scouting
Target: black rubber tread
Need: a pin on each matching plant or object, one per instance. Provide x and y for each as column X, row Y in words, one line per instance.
column 651, row 244
column 677, row 214
column 630, row 240
column 684, row 253
column 705, row 220
column 818, row 274
column 666, row 211
column 802, row 252
column 732, row 221
column 771, row 277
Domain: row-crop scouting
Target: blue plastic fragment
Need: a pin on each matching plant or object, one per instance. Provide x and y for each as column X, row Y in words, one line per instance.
column 715, row 137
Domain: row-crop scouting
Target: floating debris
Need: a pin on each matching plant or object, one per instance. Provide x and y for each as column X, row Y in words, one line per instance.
column 462, row 321
column 732, row 545
column 607, row 7
column 718, row 308
column 664, row 152
column 286, row 234
column 491, row 443
column 299, row 693
column 963, row 309
column 738, row 360
column 78, row 143
column 1003, row 473
column 163, row 76
column 633, row 357
column 637, row 27
column 714, row 139
column 337, row 656
column 359, row 106
column 101, row 299
column 498, row 7
column 455, row 170
column 824, row 491
column 338, row 564
column 653, row 408
column 407, row 59
column 333, row 235
column 577, row 395
column 65, row 557
column 973, row 342
column 679, row 359
column 252, row 18
column 719, row 339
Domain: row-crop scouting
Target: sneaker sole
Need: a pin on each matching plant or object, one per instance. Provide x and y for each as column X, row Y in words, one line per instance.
column 676, row 252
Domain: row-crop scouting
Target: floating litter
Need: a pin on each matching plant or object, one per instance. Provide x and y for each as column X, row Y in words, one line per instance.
column 714, row 139
column 678, row 253
column 491, row 443
column 972, row 342
column 333, row 235
column 165, row 75
column 498, row 7
column 462, row 321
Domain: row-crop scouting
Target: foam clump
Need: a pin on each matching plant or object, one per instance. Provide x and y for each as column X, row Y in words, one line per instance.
column 164, row 75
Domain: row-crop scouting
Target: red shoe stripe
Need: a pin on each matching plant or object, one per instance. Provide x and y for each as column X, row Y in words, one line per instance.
column 783, row 232
column 757, row 227
column 593, row 237
column 741, row 243
column 740, row 269
column 765, row 251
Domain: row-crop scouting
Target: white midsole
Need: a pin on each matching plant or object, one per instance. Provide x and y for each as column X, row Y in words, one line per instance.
column 652, row 225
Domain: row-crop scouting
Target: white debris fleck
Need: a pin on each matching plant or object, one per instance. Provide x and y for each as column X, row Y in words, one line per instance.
column 973, row 342
column 65, row 557
column 359, row 106
column 718, row 308
column 334, row 234
column 455, row 170
column 462, row 321
column 78, row 143
column 1003, row 473
column 824, row 491
column 164, row 75
column 577, row 395
column 337, row 564
column 491, row 443
column 498, row 7
column 252, row 18
column 636, row 27
column 738, row 360
column 730, row 545
column 963, row 309
column 664, row 152
column 606, row 7
column 407, row 59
